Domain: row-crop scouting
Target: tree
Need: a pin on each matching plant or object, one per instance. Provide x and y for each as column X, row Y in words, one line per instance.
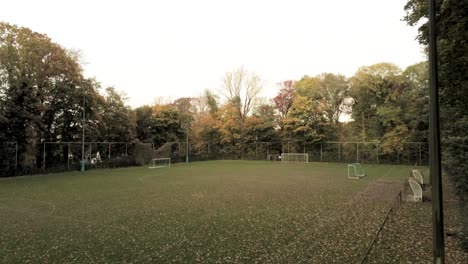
column 452, row 22
column 229, row 124
column 260, row 126
column 377, row 93
column 241, row 88
column 116, row 122
column 326, row 93
column 38, row 80
column 330, row 90
column 158, row 124
column 205, row 128
column 416, row 113
column 283, row 101
column 305, row 120
column 144, row 123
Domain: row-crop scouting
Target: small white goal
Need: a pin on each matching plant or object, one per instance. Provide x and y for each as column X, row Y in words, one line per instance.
column 295, row 157
column 355, row 171
column 160, row 163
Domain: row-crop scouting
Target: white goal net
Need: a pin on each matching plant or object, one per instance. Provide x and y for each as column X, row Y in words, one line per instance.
column 160, row 163
column 355, row 171
column 294, row 157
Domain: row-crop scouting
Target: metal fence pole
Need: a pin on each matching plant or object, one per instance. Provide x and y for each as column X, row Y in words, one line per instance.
column 43, row 158
column 339, row 152
column 357, row 152
column 16, row 155
column 377, row 153
column 126, row 149
column 109, row 151
column 68, row 156
column 321, row 153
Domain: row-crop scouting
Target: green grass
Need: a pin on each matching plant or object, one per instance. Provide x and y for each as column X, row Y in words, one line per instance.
column 209, row 212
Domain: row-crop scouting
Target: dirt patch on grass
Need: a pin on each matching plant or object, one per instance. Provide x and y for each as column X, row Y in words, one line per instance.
column 379, row 190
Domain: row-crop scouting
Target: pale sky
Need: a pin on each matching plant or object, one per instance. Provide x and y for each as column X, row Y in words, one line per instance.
column 178, row 48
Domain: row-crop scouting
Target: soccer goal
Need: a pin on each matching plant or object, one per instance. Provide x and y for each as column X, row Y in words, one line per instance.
column 295, row 157
column 160, row 163
column 355, row 171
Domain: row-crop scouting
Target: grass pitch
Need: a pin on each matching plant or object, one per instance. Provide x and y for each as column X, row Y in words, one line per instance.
column 208, row 212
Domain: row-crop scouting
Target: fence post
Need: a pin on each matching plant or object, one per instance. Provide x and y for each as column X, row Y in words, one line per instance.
column 16, row 156
column 339, row 151
column 43, row 158
column 68, row 156
column 109, row 151
column 321, row 153
column 288, row 146
column 398, row 157
column 377, row 153
column 357, row 152
column 126, row 149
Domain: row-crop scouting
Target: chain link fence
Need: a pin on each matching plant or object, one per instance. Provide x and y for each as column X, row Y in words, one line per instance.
column 63, row 156
column 413, row 153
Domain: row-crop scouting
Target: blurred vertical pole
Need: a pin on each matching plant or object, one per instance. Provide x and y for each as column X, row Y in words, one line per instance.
column 434, row 141
column 16, row 156
column 187, row 148
column 339, row 151
column 357, row 152
column 68, row 155
column 83, row 124
column 321, row 152
column 43, row 158
column 377, row 153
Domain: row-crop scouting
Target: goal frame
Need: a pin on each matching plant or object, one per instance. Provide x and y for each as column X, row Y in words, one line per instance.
column 353, row 172
column 154, row 166
column 283, row 155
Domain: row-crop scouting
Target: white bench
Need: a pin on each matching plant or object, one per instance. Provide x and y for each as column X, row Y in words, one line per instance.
column 417, row 190
column 418, row 176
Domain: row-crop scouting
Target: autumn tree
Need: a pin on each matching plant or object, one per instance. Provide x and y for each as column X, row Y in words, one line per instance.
column 283, row 101
column 206, row 132
column 378, row 107
column 330, row 90
column 240, row 88
column 305, row 120
column 260, row 126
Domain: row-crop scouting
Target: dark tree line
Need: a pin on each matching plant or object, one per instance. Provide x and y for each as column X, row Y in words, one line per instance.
column 452, row 33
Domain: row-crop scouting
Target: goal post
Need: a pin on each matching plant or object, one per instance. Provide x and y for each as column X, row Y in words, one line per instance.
column 355, row 171
column 160, row 163
column 295, row 157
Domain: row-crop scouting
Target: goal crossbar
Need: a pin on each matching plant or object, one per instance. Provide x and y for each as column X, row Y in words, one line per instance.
column 295, row 157
column 160, row 163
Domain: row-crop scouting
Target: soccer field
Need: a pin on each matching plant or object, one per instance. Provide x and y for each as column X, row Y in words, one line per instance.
column 208, row 212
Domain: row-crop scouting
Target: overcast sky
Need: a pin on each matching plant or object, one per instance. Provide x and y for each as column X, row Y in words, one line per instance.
column 178, row 48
